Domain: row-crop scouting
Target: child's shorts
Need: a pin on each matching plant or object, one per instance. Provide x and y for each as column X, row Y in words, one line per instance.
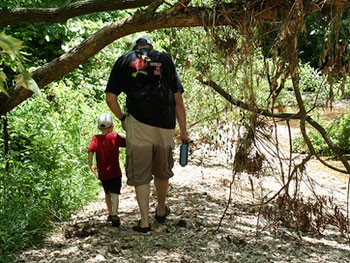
column 149, row 151
column 112, row 185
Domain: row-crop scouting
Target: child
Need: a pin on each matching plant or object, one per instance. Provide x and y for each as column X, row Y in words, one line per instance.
column 106, row 146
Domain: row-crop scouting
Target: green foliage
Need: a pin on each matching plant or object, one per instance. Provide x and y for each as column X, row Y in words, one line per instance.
column 10, row 50
column 43, row 42
column 340, row 132
column 48, row 177
column 33, row 3
column 344, row 85
column 24, row 213
column 323, row 42
column 324, row 37
column 337, row 129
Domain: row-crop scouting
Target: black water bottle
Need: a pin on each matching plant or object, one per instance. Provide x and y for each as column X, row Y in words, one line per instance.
column 183, row 154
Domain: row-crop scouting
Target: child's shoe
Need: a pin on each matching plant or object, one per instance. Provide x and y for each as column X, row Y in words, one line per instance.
column 115, row 221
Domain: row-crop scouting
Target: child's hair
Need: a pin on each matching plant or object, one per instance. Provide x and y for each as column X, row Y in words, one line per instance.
column 104, row 121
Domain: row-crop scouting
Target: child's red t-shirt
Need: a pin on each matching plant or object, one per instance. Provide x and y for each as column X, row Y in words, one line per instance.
column 106, row 148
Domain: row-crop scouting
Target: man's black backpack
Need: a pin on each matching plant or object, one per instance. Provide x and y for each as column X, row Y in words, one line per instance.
column 151, row 94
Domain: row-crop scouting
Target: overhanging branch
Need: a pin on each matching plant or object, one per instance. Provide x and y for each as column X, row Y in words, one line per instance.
column 266, row 10
column 62, row 14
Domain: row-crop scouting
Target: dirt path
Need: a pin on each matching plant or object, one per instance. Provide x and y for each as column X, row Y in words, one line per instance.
column 198, row 198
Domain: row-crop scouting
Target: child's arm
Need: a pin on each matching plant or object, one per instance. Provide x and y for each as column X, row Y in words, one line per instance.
column 91, row 166
column 122, row 140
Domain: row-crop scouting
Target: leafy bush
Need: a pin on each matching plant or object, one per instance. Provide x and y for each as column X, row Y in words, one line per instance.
column 339, row 132
column 48, row 177
column 24, row 214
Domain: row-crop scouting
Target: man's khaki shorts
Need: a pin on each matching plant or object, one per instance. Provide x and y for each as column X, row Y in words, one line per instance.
column 149, row 152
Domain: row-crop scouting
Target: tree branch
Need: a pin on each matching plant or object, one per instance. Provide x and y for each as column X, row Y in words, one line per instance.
column 266, row 10
column 245, row 105
column 62, row 14
column 286, row 116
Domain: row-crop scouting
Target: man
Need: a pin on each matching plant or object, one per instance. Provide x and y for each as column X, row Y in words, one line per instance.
column 154, row 103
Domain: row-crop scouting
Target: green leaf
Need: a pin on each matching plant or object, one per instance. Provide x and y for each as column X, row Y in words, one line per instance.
column 2, row 76
column 28, row 82
column 2, row 83
column 10, row 45
column 3, row 90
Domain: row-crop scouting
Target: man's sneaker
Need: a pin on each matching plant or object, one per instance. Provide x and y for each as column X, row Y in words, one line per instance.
column 115, row 221
column 109, row 218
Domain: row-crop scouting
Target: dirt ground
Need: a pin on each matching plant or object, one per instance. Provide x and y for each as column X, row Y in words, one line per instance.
column 202, row 227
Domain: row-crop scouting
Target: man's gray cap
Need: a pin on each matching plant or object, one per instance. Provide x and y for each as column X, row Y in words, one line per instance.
column 143, row 39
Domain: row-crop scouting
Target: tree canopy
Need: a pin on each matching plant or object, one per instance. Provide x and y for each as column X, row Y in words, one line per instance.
column 267, row 16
